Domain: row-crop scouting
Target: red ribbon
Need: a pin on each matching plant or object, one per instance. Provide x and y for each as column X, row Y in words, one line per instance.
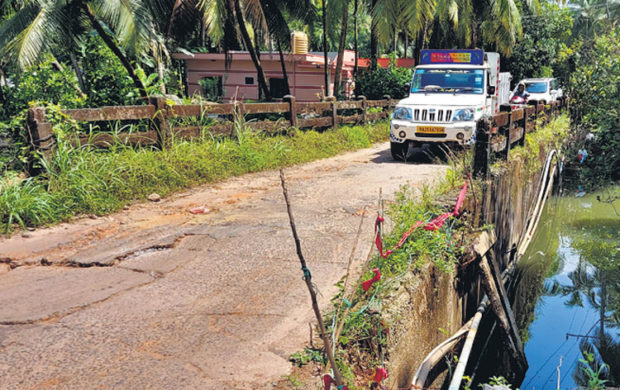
column 368, row 283
column 437, row 222
column 459, row 200
column 328, row 380
column 380, row 375
column 431, row 226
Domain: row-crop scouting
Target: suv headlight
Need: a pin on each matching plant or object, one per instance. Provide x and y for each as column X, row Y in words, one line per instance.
column 464, row 114
column 402, row 113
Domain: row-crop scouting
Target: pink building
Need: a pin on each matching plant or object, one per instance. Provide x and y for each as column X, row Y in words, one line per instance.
column 305, row 74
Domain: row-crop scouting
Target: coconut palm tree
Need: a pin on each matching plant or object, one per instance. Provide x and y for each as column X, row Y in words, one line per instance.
column 39, row 26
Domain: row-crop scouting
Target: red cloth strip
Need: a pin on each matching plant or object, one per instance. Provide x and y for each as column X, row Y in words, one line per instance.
column 368, row 283
column 437, row 222
column 459, row 200
column 432, row 225
column 380, row 375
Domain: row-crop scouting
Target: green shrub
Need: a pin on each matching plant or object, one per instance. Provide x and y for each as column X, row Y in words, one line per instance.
column 43, row 83
column 107, row 81
column 595, row 93
column 393, row 81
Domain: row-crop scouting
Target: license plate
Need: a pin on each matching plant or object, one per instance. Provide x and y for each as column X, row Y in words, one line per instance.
column 431, row 129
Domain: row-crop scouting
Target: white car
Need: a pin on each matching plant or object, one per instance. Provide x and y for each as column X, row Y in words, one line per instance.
column 544, row 90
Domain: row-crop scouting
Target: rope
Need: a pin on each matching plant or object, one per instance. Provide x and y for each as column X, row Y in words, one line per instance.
column 307, row 274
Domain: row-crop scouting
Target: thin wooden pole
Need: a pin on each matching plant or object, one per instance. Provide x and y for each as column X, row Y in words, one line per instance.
column 308, row 279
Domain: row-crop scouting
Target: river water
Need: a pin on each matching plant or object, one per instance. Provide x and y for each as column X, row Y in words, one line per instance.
column 570, row 269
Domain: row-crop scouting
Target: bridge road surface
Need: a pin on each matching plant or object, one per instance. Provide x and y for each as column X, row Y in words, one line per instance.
column 154, row 297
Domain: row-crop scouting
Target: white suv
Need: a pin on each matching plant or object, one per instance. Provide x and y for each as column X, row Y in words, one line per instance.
column 544, row 90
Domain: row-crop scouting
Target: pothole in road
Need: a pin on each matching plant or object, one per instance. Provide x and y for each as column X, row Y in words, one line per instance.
column 145, row 251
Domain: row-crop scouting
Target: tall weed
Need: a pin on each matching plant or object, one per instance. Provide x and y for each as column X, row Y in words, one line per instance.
column 86, row 180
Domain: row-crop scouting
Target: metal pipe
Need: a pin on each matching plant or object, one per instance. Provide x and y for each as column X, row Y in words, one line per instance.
column 457, row 378
column 436, row 355
column 542, row 196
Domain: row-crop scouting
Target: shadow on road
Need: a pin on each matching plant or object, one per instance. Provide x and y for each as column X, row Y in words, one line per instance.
column 425, row 154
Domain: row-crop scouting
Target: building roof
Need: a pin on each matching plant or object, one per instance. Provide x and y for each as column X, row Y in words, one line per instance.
column 313, row 58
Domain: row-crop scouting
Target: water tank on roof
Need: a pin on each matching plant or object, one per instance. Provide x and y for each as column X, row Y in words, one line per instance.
column 299, row 42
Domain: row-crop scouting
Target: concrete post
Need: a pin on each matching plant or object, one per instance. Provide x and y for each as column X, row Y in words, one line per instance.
column 482, row 149
column 292, row 111
column 364, row 109
column 162, row 126
column 334, row 104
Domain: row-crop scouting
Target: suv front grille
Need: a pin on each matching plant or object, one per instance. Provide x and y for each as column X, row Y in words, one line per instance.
column 432, row 115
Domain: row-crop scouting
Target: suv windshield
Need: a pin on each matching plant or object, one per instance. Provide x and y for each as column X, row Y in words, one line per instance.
column 538, row 87
column 448, row 81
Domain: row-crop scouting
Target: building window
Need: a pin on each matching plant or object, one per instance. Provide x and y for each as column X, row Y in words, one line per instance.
column 212, row 88
column 277, row 86
column 249, row 81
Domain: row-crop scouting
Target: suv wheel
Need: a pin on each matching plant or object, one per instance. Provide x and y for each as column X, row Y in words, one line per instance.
column 399, row 151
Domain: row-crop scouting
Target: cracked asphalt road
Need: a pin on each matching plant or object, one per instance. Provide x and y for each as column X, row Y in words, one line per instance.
column 156, row 297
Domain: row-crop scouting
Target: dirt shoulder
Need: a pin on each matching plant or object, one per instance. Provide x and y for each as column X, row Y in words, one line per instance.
column 157, row 297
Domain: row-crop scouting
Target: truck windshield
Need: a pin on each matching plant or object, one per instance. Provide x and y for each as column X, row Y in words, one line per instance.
column 448, row 81
column 540, row 87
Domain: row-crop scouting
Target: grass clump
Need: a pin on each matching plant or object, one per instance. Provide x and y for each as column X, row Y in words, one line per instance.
column 537, row 143
column 85, row 180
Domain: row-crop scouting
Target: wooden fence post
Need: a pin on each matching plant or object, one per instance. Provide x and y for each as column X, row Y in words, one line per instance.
column 482, row 149
column 292, row 112
column 164, row 131
column 364, row 109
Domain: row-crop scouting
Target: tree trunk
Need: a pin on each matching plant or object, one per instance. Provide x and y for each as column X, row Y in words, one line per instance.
column 78, row 72
column 61, row 68
column 283, row 65
column 109, row 41
column 262, row 81
column 343, row 36
column 420, row 42
column 374, row 43
column 395, row 44
column 406, row 44
column 324, row 16
column 2, row 83
column 355, row 67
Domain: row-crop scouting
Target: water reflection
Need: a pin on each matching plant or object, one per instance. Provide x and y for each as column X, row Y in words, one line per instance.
column 568, row 298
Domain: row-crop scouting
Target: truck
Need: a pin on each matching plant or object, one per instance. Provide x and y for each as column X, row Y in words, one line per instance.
column 450, row 91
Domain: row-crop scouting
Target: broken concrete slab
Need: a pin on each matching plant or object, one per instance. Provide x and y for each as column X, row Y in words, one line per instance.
column 37, row 293
column 108, row 251
column 160, row 261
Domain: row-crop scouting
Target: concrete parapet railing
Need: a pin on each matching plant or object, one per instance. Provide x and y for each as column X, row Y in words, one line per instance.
column 501, row 132
column 162, row 115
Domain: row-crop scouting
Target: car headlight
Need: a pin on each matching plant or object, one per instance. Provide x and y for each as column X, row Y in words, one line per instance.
column 402, row 113
column 464, row 114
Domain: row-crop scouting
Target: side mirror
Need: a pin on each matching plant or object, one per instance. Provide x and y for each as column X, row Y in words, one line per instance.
column 553, row 91
column 490, row 90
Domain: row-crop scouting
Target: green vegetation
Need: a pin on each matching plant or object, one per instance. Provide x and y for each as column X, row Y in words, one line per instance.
column 548, row 137
column 393, row 81
column 595, row 89
column 363, row 340
column 540, row 51
column 81, row 180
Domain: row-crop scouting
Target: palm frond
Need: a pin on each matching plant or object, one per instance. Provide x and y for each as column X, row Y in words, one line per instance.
column 130, row 20
column 34, row 30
